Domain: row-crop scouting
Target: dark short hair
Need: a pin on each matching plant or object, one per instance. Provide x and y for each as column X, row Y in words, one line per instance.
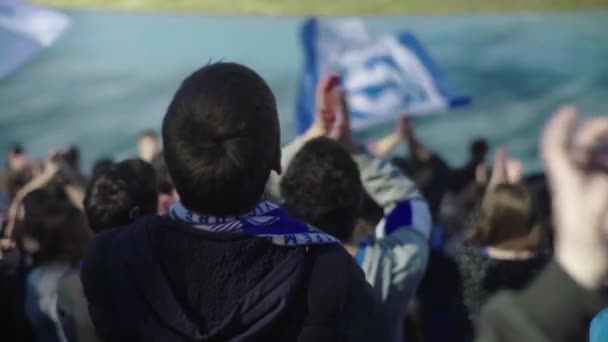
column 479, row 148
column 509, row 219
column 221, row 139
column 60, row 229
column 72, row 157
column 322, row 187
column 101, row 165
column 116, row 195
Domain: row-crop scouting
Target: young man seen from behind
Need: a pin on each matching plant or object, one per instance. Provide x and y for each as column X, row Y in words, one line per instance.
column 323, row 185
column 224, row 265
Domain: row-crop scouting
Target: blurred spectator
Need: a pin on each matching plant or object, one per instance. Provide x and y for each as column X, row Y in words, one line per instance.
column 68, row 159
column 101, row 166
column 54, row 232
column 116, row 197
column 121, row 194
column 148, row 146
column 16, row 159
column 425, row 167
column 559, row 305
column 504, row 247
column 465, row 175
column 17, row 173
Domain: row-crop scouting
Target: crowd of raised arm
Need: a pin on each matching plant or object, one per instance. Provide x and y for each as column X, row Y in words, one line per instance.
column 221, row 234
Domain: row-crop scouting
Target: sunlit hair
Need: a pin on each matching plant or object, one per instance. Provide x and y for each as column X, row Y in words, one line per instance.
column 509, row 220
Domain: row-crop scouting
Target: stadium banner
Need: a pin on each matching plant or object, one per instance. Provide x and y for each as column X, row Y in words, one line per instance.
column 25, row 31
column 383, row 77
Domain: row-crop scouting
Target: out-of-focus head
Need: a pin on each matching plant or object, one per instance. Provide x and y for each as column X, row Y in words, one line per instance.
column 72, row 157
column 163, row 179
column 479, row 150
column 16, row 159
column 509, row 220
column 119, row 195
column 322, row 187
column 52, row 229
column 101, row 165
column 221, row 139
column 148, row 146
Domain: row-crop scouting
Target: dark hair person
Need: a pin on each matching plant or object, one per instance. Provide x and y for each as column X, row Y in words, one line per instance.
column 116, row 196
column 504, row 247
column 56, row 233
column 323, row 187
column 120, row 194
column 224, row 264
column 325, row 183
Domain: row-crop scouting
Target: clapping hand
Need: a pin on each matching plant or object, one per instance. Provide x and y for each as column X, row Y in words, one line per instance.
column 579, row 195
column 332, row 118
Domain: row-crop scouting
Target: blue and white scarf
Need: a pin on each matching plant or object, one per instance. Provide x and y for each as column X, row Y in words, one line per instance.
column 267, row 220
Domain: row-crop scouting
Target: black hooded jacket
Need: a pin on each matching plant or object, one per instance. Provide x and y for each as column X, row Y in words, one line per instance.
column 162, row 280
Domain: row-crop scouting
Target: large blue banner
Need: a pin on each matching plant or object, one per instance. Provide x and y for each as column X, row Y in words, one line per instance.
column 383, row 77
column 25, row 30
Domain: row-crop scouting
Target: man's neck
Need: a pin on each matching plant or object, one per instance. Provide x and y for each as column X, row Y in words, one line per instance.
column 350, row 247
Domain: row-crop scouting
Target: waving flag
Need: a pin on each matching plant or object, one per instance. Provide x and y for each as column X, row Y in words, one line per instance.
column 382, row 76
column 26, row 30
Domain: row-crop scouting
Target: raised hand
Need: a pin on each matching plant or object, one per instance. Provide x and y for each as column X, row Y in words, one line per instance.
column 326, row 105
column 404, row 128
column 505, row 170
column 332, row 119
column 580, row 195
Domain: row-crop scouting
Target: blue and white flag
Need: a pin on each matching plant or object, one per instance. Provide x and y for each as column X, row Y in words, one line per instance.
column 26, row 30
column 383, row 77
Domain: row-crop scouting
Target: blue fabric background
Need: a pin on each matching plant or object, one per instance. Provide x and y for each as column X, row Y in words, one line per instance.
column 113, row 75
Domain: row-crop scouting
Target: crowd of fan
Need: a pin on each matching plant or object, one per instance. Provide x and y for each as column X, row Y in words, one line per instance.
column 216, row 233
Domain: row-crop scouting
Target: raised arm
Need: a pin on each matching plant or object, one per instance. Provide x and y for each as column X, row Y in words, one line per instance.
column 328, row 100
column 404, row 207
column 404, row 133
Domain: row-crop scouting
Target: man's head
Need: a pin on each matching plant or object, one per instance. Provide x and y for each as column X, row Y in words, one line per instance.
column 221, row 139
column 479, row 150
column 148, row 146
column 15, row 158
column 120, row 194
column 322, row 187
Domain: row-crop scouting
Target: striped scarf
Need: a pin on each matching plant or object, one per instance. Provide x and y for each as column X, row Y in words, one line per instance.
column 267, row 220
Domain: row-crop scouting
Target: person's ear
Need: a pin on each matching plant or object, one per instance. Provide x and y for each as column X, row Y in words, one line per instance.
column 278, row 168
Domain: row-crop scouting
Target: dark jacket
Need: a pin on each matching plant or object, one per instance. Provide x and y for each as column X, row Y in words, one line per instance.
column 553, row 309
column 162, row 280
column 482, row 276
